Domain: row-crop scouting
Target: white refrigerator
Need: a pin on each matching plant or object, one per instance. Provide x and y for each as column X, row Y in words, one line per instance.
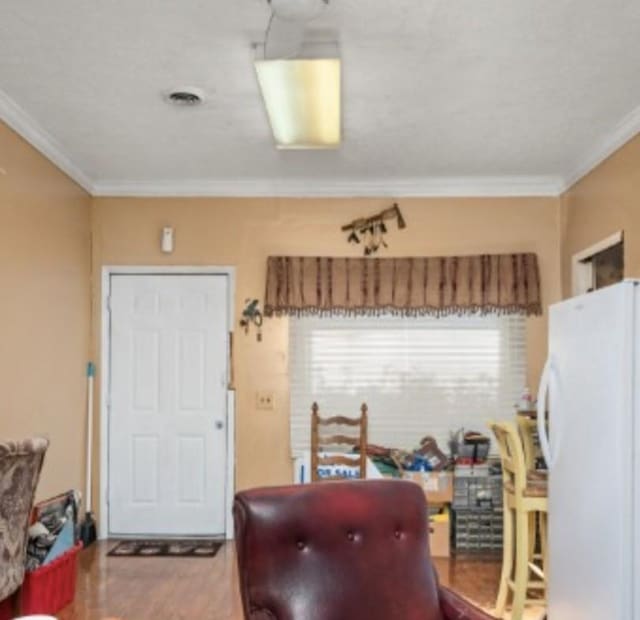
column 592, row 381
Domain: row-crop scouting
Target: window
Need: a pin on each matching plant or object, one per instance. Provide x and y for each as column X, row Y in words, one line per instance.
column 608, row 266
column 419, row 375
column 600, row 265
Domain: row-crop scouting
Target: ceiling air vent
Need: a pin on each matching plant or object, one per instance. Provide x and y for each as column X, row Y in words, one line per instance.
column 185, row 96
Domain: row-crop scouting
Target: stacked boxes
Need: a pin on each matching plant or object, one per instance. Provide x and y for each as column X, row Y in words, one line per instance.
column 438, row 489
column 474, row 488
column 478, row 530
column 477, row 504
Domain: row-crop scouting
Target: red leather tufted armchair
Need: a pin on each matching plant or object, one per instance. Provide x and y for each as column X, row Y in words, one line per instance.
column 340, row 551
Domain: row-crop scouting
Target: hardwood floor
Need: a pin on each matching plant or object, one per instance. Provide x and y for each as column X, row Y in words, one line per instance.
column 173, row 589
column 154, row 588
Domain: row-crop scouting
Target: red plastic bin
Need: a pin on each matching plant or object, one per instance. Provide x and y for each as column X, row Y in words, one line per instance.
column 50, row 588
column 6, row 609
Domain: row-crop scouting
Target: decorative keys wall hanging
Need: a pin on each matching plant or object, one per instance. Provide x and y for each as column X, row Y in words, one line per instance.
column 371, row 230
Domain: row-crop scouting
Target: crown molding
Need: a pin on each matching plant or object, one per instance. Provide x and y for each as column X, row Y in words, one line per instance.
column 462, row 187
column 326, row 188
column 27, row 127
column 624, row 131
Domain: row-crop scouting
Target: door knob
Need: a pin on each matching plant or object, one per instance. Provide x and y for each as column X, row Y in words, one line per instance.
column 219, row 425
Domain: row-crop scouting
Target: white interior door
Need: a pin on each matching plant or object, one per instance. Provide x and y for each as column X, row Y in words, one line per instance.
column 168, row 404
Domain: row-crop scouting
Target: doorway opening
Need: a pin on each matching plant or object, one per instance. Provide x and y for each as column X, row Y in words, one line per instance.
column 598, row 266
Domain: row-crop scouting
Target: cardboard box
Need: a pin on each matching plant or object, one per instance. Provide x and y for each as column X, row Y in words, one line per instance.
column 440, row 538
column 302, row 469
column 437, row 485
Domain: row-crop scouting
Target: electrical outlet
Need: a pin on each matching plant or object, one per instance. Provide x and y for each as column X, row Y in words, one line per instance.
column 265, row 400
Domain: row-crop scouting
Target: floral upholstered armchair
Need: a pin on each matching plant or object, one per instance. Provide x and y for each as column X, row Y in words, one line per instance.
column 20, row 465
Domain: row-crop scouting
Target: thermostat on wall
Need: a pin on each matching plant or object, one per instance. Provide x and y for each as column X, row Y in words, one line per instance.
column 166, row 242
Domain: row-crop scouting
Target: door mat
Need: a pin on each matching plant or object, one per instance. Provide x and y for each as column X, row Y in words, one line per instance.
column 163, row 548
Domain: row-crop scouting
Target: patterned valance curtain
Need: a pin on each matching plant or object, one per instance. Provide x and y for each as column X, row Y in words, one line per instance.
column 488, row 283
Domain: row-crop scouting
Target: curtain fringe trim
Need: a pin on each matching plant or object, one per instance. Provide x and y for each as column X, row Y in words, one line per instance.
column 436, row 311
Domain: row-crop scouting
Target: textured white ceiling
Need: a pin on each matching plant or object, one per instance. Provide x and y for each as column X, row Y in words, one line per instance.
column 432, row 89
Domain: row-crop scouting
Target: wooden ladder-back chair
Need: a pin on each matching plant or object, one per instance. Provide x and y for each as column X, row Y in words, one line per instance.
column 320, row 443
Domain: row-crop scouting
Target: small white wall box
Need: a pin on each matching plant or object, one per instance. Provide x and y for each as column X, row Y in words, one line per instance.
column 166, row 243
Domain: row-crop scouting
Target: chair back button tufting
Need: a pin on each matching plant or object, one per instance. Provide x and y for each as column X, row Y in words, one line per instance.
column 354, row 550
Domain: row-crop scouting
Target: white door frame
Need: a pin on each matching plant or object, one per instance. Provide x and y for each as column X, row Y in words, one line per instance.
column 105, row 383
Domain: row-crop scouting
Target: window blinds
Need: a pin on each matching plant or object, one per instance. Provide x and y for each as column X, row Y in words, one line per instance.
column 419, row 376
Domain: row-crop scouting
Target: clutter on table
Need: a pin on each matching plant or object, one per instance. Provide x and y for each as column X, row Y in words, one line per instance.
column 428, row 466
column 526, row 402
column 468, row 448
column 463, row 488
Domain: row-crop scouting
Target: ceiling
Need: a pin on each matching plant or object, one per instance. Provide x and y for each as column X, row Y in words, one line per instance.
column 439, row 97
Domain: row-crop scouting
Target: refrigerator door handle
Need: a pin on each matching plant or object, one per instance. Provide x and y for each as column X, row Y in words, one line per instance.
column 543, row 389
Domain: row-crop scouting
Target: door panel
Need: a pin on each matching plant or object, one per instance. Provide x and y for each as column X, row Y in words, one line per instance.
column 146, row 370
column 191, row 371
column 191, row 469
column 144, row 449
column 167, row 437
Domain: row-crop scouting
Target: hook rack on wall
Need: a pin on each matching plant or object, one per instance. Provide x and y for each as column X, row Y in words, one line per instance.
column 371, row 230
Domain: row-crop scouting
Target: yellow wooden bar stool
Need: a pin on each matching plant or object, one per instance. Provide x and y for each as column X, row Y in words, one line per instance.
column 524, row 496
column 528, row 429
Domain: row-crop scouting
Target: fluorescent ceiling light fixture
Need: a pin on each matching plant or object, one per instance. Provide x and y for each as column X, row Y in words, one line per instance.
column 302, row 98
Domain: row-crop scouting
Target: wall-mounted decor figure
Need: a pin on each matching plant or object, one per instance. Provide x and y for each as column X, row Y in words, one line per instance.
column 252, row 315
column 371, row 230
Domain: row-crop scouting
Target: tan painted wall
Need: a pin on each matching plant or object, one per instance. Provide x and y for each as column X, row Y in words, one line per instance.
column 44, row 308
column 605, row 201
column 45, row 282
column 243, row 232
column 45, row 279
